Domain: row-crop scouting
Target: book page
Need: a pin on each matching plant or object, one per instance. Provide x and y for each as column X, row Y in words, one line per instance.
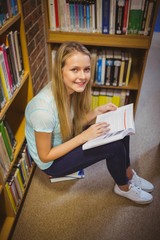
column 121, row 124
column 119, row 120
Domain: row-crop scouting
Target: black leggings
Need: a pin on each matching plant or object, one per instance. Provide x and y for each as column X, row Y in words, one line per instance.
column 116, row 155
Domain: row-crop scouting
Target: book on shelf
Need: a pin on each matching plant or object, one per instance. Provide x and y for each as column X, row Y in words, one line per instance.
column 77, row 175
column 121, row 124
column 135, row 16
column 10, row 43
column 10, row 196
column 120, row 6
column 5, row 162
column 13, row 189
column 109, row 68
column 116, row 97
column 105, row 16
column 101, row 16
column 4, row 133
column 51, row 15
column 126, row 16
column 8, row 9
column 149, row 17
column 119, row 97
column 2, row 95
column 102, row 99
column 128, row 69
column 7, row 66
column 117, row 65
column 121, row 73
column 112, row 19
column 95, row 99
column 4, row 77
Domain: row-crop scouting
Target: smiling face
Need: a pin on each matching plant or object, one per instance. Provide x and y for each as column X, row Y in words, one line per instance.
column 76, row 72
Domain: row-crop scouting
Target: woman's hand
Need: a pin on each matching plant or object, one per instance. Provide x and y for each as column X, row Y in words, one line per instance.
column 105, row 108
column 95, row 130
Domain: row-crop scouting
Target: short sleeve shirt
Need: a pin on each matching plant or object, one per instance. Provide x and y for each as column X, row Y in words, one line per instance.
column 42, row 116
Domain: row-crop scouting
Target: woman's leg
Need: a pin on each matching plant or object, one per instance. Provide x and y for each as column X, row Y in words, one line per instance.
column 115, row 154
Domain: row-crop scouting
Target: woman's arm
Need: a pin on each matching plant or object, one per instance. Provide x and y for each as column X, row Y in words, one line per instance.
column 48, row 153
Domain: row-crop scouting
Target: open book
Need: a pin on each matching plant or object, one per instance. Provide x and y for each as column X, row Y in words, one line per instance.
column 121, row 124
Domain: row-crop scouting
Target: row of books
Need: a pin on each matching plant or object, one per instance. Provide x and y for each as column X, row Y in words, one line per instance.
column 18, row 178
column 102, row 16
column 8, row 9
column 11, row 66
column 104, row 96
column 7, row 148
column 111, row 67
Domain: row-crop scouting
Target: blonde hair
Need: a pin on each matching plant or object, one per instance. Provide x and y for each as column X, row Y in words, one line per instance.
column 80, row 101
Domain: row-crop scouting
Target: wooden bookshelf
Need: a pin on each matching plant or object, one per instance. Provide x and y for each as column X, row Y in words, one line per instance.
column 138, row 44
column 14, row 111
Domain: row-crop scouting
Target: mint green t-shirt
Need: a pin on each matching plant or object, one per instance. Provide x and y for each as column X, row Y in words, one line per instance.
column 42, row 116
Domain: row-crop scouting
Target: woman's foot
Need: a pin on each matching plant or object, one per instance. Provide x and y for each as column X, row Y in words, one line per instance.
column 134, row 193
column 141, row 182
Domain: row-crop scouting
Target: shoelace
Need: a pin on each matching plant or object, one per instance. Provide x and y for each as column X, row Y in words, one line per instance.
column 136, row 188
column 136, row 178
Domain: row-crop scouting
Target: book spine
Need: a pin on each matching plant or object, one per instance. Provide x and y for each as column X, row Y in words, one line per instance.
column 10, row 82
column 150, row 12
column 87, row 16
column 129, row 69
column 126, row 16
column 2, row 95
column 102, row 99
column 4, row 155
column 95, row 97
column 7, row 143
column 117, row 65
column 112, row 17
column 10, row 197
column 4, row 77
column 122, row 70
column 105, row 16
column 56, row 14
column 99, row 69
column 109, row 70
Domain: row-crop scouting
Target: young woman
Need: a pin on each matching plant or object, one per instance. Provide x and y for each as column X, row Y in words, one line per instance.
column 58, row 122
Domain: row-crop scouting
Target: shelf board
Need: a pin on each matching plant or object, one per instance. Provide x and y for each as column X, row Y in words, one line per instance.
column 9, row 23
column 7, row 226
column 8, row 103
column 97, row 39
column 133, row 84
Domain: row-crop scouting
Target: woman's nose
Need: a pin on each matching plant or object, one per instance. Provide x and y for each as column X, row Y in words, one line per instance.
column 81, row 74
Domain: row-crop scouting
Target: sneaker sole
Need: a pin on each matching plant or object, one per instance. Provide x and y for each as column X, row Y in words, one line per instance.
column 148, row 190
column 139, row 202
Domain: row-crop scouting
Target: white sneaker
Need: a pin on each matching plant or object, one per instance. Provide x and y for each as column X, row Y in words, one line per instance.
column 135, row 194
column 141, row 182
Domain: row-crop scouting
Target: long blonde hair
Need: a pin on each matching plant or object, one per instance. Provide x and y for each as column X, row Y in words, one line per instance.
column 80, row 102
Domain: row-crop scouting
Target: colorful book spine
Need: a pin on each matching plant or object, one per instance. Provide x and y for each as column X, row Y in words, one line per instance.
column 105, row 16
column 9, row 77
column 112, row 17
column 6, row 139
column 4, row 77
column 120, row 6
column 10, row 197
column 109, row 67
column 126, row 16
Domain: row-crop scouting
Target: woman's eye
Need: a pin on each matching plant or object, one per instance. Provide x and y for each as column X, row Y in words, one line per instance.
column 74, row 70
column 87, row 70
